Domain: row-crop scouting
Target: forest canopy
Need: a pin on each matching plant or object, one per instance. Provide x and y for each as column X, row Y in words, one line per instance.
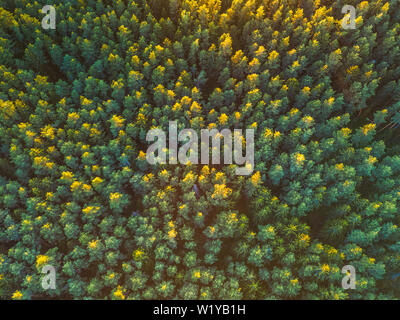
column 77, row 193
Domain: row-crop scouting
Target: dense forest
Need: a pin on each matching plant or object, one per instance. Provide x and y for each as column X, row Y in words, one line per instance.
column 77, row 193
